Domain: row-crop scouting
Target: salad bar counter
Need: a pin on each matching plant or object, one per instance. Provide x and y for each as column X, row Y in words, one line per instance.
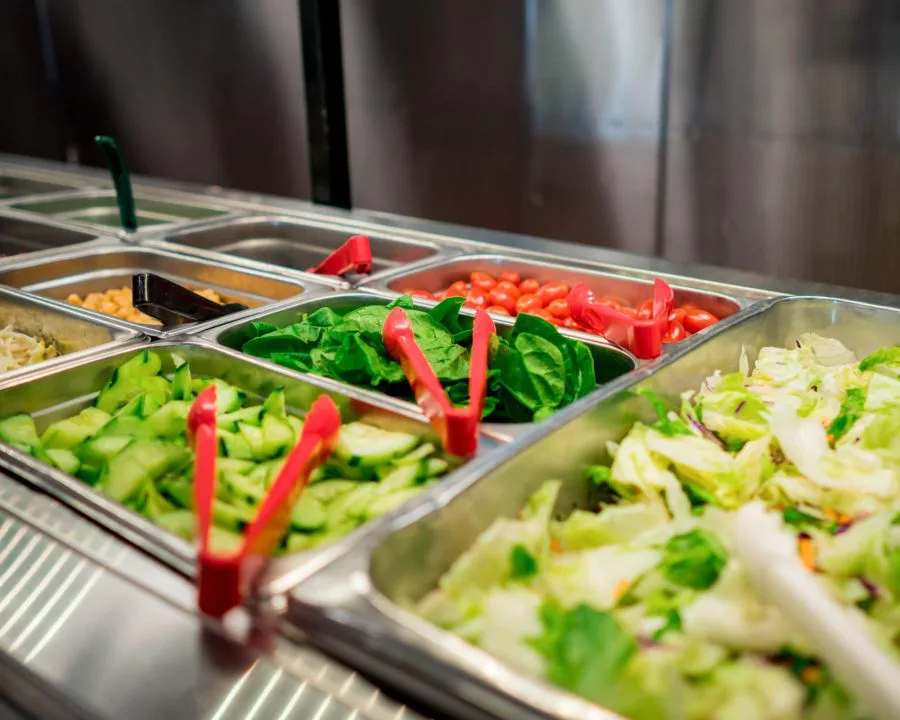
column 498, row 476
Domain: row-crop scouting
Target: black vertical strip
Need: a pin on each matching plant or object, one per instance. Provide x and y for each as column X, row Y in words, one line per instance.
column 326, row 116
column 662, row 162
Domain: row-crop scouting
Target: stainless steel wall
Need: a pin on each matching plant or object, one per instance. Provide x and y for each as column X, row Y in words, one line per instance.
column 535, row 116
column 779, row 152
column 204, row 90
column 783, row 144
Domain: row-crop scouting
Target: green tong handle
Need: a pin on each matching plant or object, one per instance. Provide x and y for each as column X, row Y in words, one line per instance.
column 121, row 179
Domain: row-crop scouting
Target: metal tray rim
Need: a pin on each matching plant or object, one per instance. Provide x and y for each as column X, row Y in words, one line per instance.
column 306, row 284
column 678, row 282
column 122, row 334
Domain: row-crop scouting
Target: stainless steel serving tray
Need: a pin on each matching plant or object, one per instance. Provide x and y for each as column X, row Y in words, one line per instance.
column 20, row 233
column 298, row 243
column 354, row 607
column 610, row 361
column 439, row 275
column 50, row 396
column 97, row 209
column 14, row 183
column 103, row 267
column 77, row 333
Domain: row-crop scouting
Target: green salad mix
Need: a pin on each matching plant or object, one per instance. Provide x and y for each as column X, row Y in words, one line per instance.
column 640, row 603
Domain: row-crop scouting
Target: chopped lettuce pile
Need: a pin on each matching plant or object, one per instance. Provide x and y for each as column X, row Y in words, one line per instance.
column 641, row 605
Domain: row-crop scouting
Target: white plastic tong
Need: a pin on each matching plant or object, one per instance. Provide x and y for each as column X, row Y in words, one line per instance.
column 769, row 553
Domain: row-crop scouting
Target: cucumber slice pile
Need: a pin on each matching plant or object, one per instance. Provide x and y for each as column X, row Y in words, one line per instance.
column 131, row 446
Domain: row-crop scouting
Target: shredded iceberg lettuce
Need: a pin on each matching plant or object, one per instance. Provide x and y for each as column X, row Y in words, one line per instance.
column 640, row 604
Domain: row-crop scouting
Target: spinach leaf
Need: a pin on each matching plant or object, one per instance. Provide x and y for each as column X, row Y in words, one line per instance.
column 446, row 314
column 586, row 649
column 299, row 337
column 358, row 363
column 693, row 559
column 544, row 363
column 404, row 301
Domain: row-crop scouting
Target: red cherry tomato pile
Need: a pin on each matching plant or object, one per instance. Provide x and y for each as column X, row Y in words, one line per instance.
column 509, row 294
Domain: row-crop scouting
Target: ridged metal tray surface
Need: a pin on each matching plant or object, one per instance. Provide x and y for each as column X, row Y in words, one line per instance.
column 69, row 597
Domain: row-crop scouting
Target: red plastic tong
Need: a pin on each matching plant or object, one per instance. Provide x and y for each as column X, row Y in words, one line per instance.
column 457, row 427
column 224, row 577
column 354, row 255
column 642, row 337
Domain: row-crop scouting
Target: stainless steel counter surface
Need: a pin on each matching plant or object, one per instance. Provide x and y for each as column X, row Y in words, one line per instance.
column 114, row 635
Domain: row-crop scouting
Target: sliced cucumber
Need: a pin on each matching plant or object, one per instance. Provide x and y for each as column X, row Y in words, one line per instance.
column 100, row 449
column 149, row 405
column 278, row 436
column 178, row 491
column 156, row 387
column 420, row 453
column 231, row 517
column 228, row 397
column 352, row 506
column 432, row 467
column 361, row 444
column 386, row 503
column 181, row 383
column 169, row 421
column 235, row 446
column 19, row 431
column 65, row 460
column 400, row 478
column 142, row 461
column 124, row 383
column 73, row 431
column 248, row 415
column 328, row 490
column 243, row 489
column 178, row 522
column 274, row 404
column 308, row 514
column 298, row 542
column 235, row 466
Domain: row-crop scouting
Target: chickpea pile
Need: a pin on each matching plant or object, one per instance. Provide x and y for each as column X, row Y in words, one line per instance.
column 118, row 303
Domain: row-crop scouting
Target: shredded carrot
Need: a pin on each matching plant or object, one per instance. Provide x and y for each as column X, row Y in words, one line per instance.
column 556, row 545
column 830, row 514
column 843, row 519
column 621, row 587
column 807, row 552
column 810, row 674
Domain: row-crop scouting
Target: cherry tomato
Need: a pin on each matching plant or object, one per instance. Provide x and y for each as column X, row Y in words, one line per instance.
column 503, row 298
column 630, row 312
column 609, row 302
column 553, row 291
column 678, row 314
column 457, row 289
column 528, row 303
column 476, row 298
column 544, row 315
column 482, row 280
column 529, row 285
column 511, row 276
column 571, row 323
column 509, row 287
column 675, row 332
column 498, row 310
column 697, row 320
column 559, row 308
column 420, row 293
column 645, row 310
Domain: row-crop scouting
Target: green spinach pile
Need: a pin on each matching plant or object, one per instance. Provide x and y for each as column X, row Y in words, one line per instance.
column 532, row 372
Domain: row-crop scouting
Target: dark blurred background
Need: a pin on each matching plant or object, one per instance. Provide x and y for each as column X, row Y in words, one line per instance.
column 758, row 134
